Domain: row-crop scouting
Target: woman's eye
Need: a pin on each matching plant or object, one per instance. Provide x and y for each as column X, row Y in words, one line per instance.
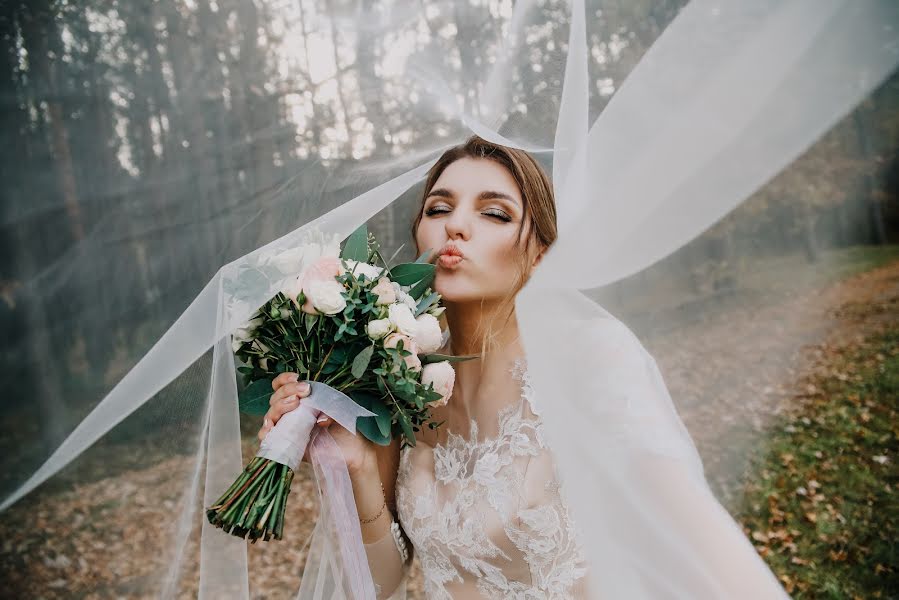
column 500, row 215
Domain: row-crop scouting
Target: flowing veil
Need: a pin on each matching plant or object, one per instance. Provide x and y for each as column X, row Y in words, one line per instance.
column 645, row 157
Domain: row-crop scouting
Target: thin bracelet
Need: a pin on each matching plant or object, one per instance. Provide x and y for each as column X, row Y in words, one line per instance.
column 380, row 512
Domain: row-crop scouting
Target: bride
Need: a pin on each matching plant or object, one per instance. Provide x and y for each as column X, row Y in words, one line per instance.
column 479, row 499
column 727, row 95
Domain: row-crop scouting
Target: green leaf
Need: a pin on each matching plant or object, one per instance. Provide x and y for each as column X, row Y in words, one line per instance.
column 425, row 303
column 329, row 368
column 407, row 427
column 356, row 245
column 432, row 358
column 254, row 399
column 360, row 363
column 409, row 273
column 419, row 288
column 370, row 427
column 309, row 321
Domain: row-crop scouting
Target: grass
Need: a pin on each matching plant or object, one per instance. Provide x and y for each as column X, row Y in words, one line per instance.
column 821, row 503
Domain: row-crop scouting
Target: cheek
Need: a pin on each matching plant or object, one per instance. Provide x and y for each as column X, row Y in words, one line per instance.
column 500, row 266
column 426, row 236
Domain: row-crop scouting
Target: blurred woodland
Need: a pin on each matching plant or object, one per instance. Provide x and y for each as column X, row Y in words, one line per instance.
column 148, row 143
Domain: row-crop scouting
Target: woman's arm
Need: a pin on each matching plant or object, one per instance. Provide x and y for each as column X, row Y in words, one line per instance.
column 374, row 489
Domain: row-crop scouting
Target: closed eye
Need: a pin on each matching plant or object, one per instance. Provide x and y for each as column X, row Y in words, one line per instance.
column 500, row 215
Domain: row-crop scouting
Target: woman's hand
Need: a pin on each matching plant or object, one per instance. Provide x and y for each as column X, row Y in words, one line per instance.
column 358, row 451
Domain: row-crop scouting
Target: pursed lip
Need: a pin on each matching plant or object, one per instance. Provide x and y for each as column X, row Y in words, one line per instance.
column 451, row 250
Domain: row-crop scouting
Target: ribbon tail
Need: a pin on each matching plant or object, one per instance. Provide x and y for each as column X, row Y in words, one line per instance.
column 339, row 514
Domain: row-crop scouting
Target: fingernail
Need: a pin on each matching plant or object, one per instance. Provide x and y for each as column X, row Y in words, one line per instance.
column 304, row 386
column 267, row 422
column 294, row 377
column 289, row 399
column 321, row 419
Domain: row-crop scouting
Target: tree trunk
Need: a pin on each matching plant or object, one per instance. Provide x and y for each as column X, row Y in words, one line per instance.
column 875, row 208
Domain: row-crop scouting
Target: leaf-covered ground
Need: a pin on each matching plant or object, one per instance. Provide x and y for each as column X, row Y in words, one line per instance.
column 821, row 501
column 743, row 384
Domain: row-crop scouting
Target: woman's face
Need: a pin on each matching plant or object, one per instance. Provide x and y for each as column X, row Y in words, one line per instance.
column 476, row 206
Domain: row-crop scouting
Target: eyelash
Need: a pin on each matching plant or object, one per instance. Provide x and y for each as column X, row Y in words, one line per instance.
column 502, row 217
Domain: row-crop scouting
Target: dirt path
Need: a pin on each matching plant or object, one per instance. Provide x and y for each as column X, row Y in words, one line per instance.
column 730, row 374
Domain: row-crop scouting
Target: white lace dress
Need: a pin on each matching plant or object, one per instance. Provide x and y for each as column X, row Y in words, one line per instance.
column 486, row 516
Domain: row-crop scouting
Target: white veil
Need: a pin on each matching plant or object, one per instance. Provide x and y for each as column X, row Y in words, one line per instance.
column 728, row 94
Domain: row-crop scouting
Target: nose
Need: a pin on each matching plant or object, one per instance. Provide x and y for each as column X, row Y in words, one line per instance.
column 458, row 225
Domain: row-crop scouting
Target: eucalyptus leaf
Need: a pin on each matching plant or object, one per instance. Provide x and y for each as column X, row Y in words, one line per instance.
column 369, row 426
column 425, row 303
column 360, row 363
column 432, row 358
column 407, row 427
column 254, row 399
column 410, row 273
column 356, row 245
column 419, row 288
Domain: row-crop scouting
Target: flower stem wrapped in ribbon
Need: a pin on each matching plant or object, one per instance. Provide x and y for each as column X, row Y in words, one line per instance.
column 365, row 338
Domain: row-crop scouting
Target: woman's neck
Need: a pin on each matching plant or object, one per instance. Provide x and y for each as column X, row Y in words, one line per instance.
column 465, row 338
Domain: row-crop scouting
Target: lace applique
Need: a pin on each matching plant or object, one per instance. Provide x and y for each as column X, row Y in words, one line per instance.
column 490, row 515
column 520, row 373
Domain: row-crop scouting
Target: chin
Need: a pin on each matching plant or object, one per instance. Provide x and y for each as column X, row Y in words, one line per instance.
column 455, row 291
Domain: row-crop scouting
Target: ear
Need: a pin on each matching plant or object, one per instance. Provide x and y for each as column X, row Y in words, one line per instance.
column 538, row 258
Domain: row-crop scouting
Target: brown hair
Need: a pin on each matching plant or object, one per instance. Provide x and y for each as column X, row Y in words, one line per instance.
column 539, row 208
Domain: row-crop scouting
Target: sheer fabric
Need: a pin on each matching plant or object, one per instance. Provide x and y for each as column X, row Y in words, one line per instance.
column 728, row 95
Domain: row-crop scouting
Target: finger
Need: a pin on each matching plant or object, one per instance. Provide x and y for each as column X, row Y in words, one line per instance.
column 301, row 389
column 324, row 421
column 266, row 427
column 284, row 405
column 284, row 378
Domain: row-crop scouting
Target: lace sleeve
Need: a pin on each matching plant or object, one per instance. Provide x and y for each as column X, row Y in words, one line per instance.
column 545, row 532
column 388, row 569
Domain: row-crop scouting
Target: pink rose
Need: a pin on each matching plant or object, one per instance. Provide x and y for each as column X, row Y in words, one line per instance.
column 324, row 268
column 384, row 291
column 412, row 361
column 443, row 376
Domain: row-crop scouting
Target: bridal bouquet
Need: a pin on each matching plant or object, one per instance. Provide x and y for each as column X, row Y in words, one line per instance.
column 365, row 338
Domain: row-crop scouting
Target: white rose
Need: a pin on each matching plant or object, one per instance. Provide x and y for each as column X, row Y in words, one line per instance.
column 443, row 376
column 291, row 260
column 378, row 328
column 404, row 297
column 293, row 288
column 409, row 301
column 326, row 297
column 428, row 335
column 244, row 333
column 360, row 268
column 401, row 317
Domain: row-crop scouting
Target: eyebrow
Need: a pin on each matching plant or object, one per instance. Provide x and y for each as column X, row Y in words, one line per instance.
column 485, row 195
